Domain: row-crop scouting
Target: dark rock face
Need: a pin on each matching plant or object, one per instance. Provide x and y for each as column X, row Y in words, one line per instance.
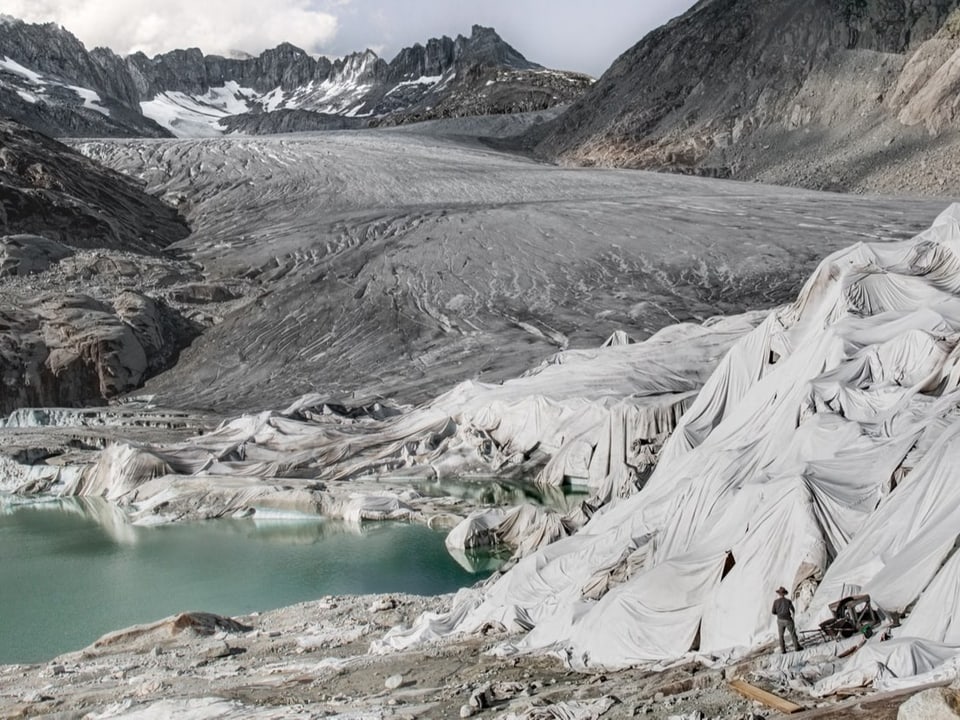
column 889, row 25
column 74, row 350
column 418, row 61
column 485, row 47
column 485, row 90
column 29, row 254
column 712, row 78
column 284, row 121
column 52, row 50
column 189, row 71
column 48, row 189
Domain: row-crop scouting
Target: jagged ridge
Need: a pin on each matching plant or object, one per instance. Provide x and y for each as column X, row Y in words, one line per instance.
column 50, row 81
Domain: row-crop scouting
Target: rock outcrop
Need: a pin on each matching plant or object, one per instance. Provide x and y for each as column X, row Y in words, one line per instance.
column 74, row 350
column 29, row 254
column 75, row 329
column 284, row 121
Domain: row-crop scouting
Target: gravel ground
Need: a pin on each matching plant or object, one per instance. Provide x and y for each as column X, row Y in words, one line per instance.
column 311, row 660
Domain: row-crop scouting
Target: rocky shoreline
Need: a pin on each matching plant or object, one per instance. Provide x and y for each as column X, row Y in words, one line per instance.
column 313, row 660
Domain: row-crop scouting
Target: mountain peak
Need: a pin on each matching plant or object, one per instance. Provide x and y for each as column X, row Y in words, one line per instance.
column 285, row 49
column 486, row 47
column 479, row 31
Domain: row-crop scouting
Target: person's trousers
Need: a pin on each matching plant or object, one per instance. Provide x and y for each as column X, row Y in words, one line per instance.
column 783, row 625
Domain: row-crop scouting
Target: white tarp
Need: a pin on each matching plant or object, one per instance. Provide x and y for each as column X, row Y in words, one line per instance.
column 821, row 453
column 594, row 417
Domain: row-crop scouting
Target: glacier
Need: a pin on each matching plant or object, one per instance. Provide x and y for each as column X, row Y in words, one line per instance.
column 820, row 455
column 812, row 447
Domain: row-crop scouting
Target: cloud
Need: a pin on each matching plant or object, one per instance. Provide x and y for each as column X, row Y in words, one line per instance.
column 215, row 26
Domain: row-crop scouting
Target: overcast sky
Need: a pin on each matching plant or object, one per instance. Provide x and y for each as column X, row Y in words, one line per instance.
column 563, row 34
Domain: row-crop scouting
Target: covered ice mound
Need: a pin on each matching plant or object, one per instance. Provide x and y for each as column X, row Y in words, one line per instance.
column 822, row 452
column 592, row 417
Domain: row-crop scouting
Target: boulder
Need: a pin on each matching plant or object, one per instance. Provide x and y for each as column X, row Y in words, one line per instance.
column 74, row 350
column 932, row 704
column 29, row 254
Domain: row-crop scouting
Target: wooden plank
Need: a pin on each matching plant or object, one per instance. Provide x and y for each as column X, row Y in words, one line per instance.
column 767, row 698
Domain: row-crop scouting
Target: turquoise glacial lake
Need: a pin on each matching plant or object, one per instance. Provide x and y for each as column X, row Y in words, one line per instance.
column 72, row 570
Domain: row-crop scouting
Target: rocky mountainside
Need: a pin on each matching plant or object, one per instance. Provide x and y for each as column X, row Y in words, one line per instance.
column 49, row 81
column 850, row 95
column 48, row 189
column 95, row 326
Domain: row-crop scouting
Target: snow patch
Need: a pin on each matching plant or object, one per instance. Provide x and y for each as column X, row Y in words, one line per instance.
column 90, row 99
column 27, row 97
column 355, row 111
column 231, row 98
column 277, row 98
column 17, row 69
column 422, row 80
column 184, row 115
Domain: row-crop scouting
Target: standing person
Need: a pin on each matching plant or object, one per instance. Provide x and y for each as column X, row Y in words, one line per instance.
column 783, row 609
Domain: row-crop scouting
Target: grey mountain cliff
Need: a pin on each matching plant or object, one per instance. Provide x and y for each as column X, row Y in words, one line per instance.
column 815, row 92
column 481, row 72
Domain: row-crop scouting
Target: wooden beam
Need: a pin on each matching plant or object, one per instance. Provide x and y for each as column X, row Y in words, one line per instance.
column 767, row 698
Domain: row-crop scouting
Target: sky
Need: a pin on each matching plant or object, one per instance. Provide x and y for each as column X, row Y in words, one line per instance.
column 563, row 34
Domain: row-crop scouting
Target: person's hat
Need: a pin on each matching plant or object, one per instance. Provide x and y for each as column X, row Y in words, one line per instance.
column 781, row 590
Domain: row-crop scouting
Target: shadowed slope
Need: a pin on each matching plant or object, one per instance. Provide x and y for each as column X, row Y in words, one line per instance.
column 48, row 189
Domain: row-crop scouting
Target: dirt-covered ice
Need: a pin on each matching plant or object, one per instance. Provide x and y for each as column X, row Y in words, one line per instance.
column 393, row 264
